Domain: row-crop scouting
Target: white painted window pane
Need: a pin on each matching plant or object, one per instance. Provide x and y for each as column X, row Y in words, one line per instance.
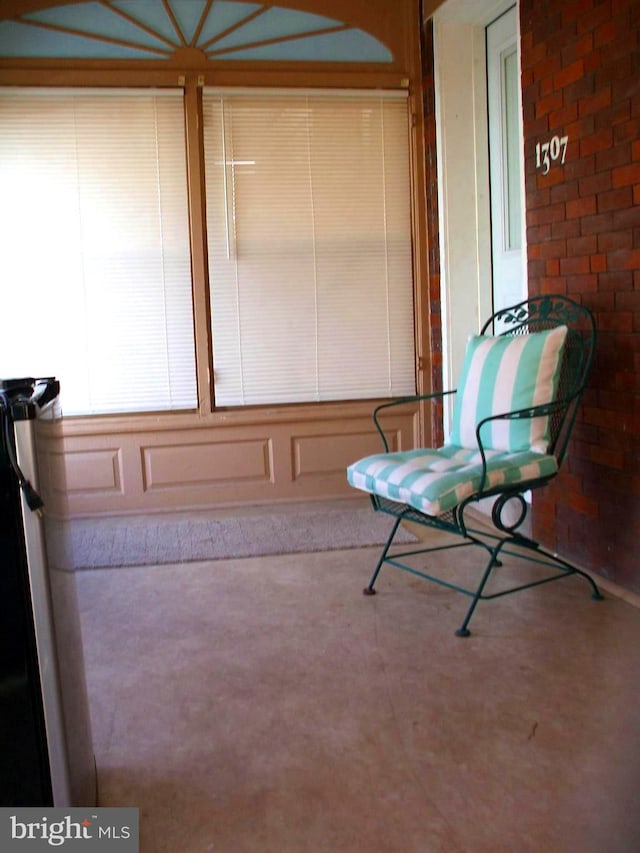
column 309, row 235
column 96, row 262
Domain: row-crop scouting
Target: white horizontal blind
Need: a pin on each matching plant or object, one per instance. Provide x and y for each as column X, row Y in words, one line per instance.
column 95, row 261
column 309, row 239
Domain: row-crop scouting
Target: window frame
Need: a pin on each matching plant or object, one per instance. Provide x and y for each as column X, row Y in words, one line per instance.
column 257, row 75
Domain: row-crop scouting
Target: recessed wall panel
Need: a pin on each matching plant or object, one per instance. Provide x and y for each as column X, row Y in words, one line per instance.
column 180, row 466
column 92, row 471
column 315, row 455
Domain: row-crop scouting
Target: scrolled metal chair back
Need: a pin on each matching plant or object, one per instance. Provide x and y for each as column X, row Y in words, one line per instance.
column 541, row 313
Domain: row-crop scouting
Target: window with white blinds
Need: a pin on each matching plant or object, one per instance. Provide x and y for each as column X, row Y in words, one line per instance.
column 309, row 243
column 95, row 260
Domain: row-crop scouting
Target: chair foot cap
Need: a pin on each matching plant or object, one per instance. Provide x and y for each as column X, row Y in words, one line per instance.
column 368, row 591
column 463, row 632
column 597, row 596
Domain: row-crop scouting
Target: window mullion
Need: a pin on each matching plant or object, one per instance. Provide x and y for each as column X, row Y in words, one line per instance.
column 198, row 237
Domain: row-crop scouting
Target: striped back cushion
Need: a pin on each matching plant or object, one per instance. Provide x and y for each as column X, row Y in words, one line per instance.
column 503, row 374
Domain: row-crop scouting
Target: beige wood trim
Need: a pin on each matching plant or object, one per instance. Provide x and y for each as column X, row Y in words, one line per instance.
column 236, row 417
column 420, row 233
column 178, row 468
column 199, row 256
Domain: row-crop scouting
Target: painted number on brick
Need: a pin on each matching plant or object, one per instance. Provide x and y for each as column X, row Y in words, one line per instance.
column 548, row 152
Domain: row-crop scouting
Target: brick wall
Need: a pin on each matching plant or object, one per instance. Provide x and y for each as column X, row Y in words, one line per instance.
column 581, row 79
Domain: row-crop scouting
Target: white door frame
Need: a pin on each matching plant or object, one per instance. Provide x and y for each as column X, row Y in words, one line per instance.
column 463, row 173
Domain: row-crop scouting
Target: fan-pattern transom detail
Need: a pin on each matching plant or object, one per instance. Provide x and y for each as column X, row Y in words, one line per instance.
column 157, row 29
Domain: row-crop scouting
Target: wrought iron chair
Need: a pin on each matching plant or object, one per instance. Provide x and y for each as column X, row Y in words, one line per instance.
column 514, row 409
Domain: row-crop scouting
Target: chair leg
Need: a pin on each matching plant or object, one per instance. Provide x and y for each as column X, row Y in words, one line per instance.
column 369, row 590
column 596, row 595
column 463, row 630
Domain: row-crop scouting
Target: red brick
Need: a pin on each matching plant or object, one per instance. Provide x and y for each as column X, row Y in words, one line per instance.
column 565, row 229
column 582, row 283
column 621, row 50
column 581, row 207
column 552, row 267
column 576, row 49
column 568, row 75
column 578, row 167
column 564, row 191
column 535, row 266
column 546, row 67
column 548, row 104
column 594, row 103
column 628, row 131
column 538, row 233
column 535, row 55
column 625, row 82
column 578, row 130
column 587, row 506
column 600, row 301
column 575, row 265
column 613, row 115
column 592, row 61
column 582, row 245
column 599, row 223
column 614, row 240
column 635, row 150
column 555, row 284
column 605, row 33
column 608, row 420
column 542, row 212
column 579, row 89
column 615, row 199
column 609, row 398
column 629, row 218
column 624, row 260
column 619, row 155
column 598, row 263
column 599, row 141
column 575, row 9
column 553, row 249
column 566, row 115
column 554, row 176
column 545, row 87
column 616, row 322
column 593, row 19
column 615, row 280
column 594, row 184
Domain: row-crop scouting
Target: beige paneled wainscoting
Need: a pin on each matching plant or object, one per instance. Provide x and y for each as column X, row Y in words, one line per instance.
column 116, row 465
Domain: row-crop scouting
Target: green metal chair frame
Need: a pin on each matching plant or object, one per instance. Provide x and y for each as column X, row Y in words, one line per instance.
column 535, row 314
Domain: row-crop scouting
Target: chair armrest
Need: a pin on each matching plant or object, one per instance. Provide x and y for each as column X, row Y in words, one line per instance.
column 403, row 401
column 542, row 410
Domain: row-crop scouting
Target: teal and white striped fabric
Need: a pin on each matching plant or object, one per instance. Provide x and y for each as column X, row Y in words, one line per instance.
column 499, row 375
column 434, row 481
column 504, row 374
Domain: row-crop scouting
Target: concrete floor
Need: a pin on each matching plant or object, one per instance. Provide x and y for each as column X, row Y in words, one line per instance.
column 266, row 705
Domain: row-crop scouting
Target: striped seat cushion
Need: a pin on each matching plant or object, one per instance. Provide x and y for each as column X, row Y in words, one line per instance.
column 504, row 374
column 435, row 481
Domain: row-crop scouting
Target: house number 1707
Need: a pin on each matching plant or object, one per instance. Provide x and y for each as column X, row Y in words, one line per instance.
column 548, row 152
